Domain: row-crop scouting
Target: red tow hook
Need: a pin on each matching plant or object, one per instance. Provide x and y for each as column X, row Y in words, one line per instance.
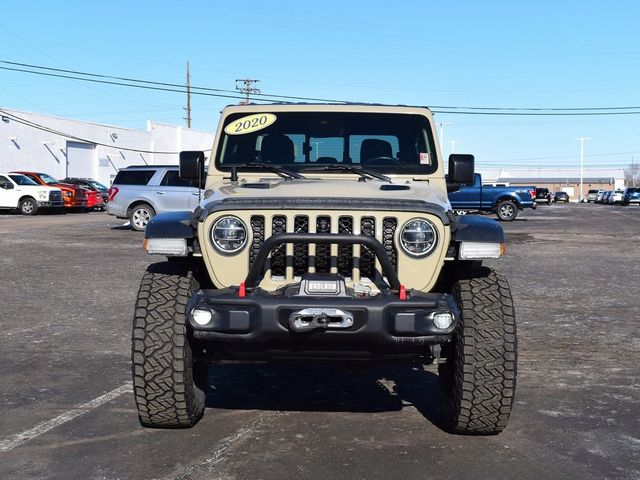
column 242, row 291
column 402, row 293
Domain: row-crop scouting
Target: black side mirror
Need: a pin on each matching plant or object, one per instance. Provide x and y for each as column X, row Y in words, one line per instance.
column 6, row 185
column 461, row 168
column 191, row 165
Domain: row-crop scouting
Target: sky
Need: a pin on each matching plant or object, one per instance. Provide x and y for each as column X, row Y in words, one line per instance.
column 489, row 54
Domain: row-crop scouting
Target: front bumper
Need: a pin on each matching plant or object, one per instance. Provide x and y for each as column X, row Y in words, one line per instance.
column 262, row 323
column 75, row 202
column 50, row 204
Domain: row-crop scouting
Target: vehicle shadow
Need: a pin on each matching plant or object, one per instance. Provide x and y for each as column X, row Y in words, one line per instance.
column 125, row 226
column 318, row 387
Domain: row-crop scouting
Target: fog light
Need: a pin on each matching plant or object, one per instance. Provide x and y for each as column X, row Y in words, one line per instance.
column 201, row 316
column 442, row 320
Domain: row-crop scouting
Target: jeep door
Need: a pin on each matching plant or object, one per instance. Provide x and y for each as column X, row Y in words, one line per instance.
column 174, row 194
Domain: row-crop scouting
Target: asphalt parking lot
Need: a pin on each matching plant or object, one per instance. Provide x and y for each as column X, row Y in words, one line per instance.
column 68, row 285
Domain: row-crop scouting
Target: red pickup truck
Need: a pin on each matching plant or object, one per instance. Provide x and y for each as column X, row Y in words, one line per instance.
column 74, row 197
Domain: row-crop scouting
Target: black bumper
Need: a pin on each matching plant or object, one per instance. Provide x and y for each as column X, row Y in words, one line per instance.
column 262, row 323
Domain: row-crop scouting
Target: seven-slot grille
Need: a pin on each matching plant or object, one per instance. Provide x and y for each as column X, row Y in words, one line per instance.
column 352, row 261
column 55, row 196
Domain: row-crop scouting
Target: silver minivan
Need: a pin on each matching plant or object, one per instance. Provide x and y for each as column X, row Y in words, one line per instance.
column 141, row 191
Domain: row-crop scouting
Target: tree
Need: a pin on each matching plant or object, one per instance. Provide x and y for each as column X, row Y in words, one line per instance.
column 632, row 175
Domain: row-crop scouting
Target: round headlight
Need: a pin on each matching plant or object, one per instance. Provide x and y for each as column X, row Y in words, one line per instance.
column 229, row 235
column 418, row 237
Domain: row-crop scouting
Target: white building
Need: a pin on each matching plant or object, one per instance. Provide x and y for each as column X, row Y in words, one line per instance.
column 70, row 148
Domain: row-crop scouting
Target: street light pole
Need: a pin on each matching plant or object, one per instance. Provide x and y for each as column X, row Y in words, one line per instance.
column 442, row 125
column 582, row 140
column 453, row 145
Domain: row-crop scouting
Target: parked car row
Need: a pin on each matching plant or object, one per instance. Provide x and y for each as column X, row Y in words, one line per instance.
column 544, row 195
column 137, row 193
column 619, row 196
column 29, row 192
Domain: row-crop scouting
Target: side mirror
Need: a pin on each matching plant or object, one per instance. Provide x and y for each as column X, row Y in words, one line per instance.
column 6, row 185
column 191, row 165
column 461, row 168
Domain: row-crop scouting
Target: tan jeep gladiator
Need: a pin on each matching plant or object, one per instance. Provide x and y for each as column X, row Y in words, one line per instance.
column 325, row 232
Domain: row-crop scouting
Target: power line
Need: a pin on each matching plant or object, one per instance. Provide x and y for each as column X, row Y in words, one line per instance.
column 262, row 97
column 107, row 82
column 150, row 82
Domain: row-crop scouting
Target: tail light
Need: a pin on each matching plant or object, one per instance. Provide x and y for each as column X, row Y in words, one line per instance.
column 112, row 192
column 533, row 194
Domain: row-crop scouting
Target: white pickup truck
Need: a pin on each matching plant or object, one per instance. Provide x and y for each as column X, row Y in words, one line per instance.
column 21, row 193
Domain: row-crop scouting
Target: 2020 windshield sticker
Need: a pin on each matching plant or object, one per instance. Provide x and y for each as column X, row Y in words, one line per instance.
column 250, row 124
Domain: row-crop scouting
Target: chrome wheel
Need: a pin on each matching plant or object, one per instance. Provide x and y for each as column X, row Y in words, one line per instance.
column 507, row 211
column 140, row 217
column 28, row 206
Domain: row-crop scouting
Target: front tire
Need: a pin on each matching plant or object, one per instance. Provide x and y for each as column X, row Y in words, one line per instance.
column 168, row 384
column 507, row 210
column 478, row 379
column 28, row 206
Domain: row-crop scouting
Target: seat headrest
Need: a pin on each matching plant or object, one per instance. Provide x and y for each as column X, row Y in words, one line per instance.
column 326, row 160
column 277, row 148
column 372, row 148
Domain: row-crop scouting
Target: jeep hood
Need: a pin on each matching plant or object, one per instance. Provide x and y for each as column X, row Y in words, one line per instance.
column 334, row 188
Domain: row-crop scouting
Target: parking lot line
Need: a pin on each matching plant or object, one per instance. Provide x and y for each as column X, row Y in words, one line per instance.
column 43, row 427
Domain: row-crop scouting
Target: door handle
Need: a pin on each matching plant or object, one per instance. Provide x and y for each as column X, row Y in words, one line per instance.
column 159, row 193
column 195, row 194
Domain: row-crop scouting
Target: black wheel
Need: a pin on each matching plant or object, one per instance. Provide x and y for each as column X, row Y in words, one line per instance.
column 478, row 379
column 507, row 210
column 28, row 206
column 168, row 384
column 140, row 215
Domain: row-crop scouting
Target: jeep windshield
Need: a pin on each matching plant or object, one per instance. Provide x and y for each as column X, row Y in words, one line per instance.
column 302, row 141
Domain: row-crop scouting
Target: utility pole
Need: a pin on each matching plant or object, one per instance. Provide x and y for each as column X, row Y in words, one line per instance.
column 188, row 109
column 581, row 140
column 246, row 89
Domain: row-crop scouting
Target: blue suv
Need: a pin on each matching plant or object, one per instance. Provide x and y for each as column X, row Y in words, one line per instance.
column 631, row 195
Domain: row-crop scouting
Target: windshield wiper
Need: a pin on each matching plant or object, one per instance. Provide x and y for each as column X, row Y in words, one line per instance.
column 281, row 172
column 364, row 173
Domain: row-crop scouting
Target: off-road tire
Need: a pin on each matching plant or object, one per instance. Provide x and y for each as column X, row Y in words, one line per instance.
column 28, row 206
column 167, row 384
column 507, row 210
column 478, row 379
